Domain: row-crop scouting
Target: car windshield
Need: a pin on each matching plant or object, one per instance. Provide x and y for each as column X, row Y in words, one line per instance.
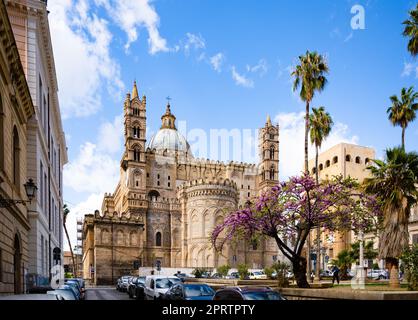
column 141, row 280
column 166, row 283
column 257, row 273
column 262, row 295
column 198, row 291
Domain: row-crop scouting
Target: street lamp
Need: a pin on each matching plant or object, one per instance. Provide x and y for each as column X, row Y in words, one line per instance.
column 30, row 189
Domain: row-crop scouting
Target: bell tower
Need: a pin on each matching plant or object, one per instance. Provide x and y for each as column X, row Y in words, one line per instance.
column 269, row 155
column 135, row 137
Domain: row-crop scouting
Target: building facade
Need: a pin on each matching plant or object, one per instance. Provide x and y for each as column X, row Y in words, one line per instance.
column 16, row 109
column 347, row 160
column 167, row 202
column 47, row 151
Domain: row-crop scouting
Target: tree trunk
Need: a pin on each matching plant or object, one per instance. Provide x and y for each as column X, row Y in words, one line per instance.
column 306, row 137
column 308, row 246
column 318, row 230
column 299, row 271
column 71, row 249
column 403, row 138
column 392, row 265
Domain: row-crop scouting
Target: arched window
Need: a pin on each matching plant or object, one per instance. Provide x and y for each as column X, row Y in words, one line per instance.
column 366, row 161
column 254, row 245
column 348, row 158
column 272, row 153
column 327, row 164
column 335, row 160
column 136, row 155
column 321, row 166
column 16, row 158
column 158, row 239
column 313, row 170
column 272, row 173
column 1, row 135
column 358, row 160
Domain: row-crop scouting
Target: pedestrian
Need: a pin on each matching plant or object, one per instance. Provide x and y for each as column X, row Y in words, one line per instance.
column 335, row 274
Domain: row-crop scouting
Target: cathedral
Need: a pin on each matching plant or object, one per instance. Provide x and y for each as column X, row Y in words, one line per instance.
column 167, row 202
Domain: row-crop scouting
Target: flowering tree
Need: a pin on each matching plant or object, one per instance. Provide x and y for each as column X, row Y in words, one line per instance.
column 291, row 209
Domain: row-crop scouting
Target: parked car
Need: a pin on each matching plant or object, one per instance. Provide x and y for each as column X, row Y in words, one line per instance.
column 136, row 288
column 156, row 286
column 66, row 292
column 32, row 296
column 257, row 275
column 122, row 284
column 247, row 293
column 183, row 291
column 326, row 273
column 216, row 276
column 75, row 284
column 233, row 275
column 181, row 276
column 378, row 274
column 82, row 284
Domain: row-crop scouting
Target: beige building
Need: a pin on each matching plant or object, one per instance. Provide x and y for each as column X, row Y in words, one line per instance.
column 47, row 150
column 15, row 111
column 167, row 202
column 348, row 160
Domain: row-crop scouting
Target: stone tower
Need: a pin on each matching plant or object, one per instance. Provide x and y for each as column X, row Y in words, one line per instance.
column 133, row 162
column 269, row 155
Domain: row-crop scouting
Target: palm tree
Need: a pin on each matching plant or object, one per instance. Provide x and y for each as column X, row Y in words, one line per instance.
column 343, row 261
column 394, row 182
column 66, row 212
column 321, row 124
column 310, row 77
column 411, row 31
column 403, row 110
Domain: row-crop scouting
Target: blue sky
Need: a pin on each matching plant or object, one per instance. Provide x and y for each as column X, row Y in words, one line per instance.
column 225, row 64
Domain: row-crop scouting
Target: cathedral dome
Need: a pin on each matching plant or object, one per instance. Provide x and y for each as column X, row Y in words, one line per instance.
column 168, row 138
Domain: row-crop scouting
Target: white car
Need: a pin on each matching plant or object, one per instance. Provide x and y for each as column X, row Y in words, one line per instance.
column 257, row 275
column 157, row 286
column 378, row 274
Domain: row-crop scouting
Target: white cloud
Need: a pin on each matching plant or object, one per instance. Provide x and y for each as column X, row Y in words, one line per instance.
column 241, row 80
column 193, row 42
column 88, row 206
column 81, row 43
column 260, row 68
column 131, row 16
column 216, row 61
column 110, row 137
column 292, row 135
column 408, row 68
column 91, row 171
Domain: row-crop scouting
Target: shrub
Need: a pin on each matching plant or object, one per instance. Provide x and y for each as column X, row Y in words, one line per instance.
column 410, row 265
column 198, row 272
column 243, row 271
column 282, row 268
column 223, row 270
column 269, row 272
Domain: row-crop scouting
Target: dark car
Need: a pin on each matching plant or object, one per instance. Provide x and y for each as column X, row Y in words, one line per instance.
column 82, row 284
column 247, row 293
column 66, row 292
column 136, row 288
column 183, row 291
column 75, row 284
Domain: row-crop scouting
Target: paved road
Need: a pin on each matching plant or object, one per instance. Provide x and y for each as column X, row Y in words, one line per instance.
column 105, row 293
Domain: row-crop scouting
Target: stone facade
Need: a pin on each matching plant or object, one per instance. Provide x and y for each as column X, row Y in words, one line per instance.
column 348, row 160
column 167, row 202
column 15, row 110
column 47, row 150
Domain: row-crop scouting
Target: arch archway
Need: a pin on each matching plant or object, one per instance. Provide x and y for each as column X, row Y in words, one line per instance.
column 17, row 265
